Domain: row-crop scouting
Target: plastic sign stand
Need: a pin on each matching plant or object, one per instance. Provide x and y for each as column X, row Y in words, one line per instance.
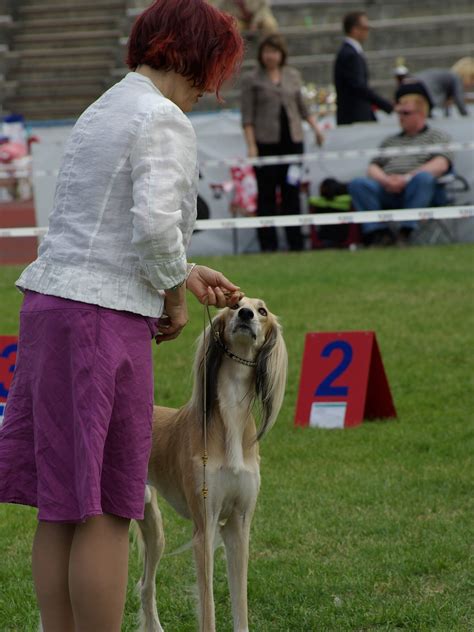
column 342, row 381
column 8, row 349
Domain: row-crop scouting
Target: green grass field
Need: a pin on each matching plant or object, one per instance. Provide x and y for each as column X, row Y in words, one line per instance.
column 362, row 529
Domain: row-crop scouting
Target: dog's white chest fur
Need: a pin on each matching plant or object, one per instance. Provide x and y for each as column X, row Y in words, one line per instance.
column 235, row 413
column 233, row 491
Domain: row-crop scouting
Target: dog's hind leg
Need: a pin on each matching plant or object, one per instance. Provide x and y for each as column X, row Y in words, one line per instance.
column 236, row 534
column 151, row 531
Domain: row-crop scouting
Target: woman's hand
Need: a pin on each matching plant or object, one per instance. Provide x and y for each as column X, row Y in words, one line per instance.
column 319, row 137
column 175, row 315
column 212, row 287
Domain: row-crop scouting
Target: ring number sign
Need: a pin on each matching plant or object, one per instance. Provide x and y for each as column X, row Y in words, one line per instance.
column 8, row 350
column 342, row 381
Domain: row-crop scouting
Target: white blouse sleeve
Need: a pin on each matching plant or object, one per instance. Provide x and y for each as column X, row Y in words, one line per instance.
column 190, row 210
column 163, row 168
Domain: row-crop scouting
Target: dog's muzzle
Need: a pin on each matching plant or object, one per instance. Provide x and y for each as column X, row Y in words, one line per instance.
column 245, row 314
column 245, row 322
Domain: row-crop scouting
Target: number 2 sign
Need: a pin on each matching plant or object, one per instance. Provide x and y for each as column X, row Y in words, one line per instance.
column 342, row 381
column 8, row 349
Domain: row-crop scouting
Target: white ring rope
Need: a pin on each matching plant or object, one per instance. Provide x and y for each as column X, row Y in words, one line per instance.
column 309, row 219
column 340, row 154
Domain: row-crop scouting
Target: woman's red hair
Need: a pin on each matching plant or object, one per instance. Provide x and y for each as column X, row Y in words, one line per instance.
column 191, row 37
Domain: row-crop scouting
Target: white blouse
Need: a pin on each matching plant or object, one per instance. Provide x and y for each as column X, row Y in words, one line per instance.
column 125, row 203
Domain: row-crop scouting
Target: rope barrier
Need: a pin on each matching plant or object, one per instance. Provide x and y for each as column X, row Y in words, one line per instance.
column 323, row 155
column 308, row 219
column 342, row 154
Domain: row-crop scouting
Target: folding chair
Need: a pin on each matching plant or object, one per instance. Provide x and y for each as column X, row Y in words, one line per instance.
column 436, row 231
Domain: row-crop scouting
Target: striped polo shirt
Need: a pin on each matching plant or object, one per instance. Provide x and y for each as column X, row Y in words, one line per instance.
column 410, row 162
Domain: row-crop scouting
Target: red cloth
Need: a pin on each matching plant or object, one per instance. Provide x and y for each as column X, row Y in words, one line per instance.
column 12, row 151
column 244, row 201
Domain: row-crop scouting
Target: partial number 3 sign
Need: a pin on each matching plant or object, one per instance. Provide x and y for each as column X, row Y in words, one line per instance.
column 8, row 350
column 342, row 381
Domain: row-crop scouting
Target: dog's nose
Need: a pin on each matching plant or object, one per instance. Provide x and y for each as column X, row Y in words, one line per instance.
column 245, row 314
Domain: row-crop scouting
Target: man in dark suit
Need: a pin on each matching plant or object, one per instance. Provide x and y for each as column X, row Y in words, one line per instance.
column 355, row 98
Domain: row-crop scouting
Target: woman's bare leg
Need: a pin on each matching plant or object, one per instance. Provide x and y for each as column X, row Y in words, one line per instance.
column 98, row 569
column 50, row 563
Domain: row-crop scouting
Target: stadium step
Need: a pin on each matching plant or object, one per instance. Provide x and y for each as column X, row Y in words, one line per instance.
column 93, row 70
column 65, row 24
column 66, row 39
column 58, row 8
column 78, row 53
column 63, row 88
column 36, row 110
column 330, row 12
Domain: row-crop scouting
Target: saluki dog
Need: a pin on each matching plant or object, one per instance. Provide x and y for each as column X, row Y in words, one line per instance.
column 207, row 465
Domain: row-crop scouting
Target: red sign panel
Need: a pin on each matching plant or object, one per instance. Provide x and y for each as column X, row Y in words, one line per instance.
column 8, row 349
column 342, row 381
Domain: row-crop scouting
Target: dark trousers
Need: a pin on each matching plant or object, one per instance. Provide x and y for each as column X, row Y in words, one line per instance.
column 270, row 180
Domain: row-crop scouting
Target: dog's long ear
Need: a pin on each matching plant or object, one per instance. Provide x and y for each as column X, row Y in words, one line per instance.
column 272, row 367
column 211, row 358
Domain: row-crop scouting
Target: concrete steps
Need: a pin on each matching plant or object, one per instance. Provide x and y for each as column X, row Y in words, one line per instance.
column 64, row 40
column 61, row 8
column 63, row 53
column 41, row 109
column 34, row 25
column 316, row 12
column 323, row 12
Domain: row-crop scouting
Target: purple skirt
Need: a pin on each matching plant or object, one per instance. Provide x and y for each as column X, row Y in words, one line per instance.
column 76, row 437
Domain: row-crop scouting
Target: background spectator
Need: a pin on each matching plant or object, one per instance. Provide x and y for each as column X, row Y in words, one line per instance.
column 464, row 68
column 404, row 181
column 252, row 15
column 444, row 86
column 273, row 109
column 355, row 99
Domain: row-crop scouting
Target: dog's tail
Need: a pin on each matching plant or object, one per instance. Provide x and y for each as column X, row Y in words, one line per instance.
column 218, row 541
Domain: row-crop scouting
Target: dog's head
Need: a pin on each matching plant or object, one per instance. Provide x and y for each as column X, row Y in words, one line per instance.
column 248, row 335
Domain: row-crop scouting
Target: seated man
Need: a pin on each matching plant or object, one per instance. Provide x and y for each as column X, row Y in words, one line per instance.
column 403, row 181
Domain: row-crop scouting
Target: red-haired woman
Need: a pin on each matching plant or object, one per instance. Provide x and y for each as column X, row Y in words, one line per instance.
column 110, row 275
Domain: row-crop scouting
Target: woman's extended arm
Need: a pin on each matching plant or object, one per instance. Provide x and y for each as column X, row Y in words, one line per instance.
column 212, row 287
column 318, row 133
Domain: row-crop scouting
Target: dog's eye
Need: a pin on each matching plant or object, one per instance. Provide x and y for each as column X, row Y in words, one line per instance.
column 236, row 306
column 263, row 311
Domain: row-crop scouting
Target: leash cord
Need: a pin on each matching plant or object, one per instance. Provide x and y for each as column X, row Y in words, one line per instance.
column 204, row 490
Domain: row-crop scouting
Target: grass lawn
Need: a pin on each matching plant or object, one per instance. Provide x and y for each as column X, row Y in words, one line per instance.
column 362, row 529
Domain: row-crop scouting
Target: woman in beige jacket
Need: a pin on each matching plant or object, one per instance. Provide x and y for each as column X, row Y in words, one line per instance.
column 273, row 109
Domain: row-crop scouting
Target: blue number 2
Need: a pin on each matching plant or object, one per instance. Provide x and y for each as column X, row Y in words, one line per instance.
column 326, row 387
column 7, row 351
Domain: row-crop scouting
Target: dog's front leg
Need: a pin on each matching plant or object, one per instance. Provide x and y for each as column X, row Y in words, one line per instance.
column 203, row 546
column 151, row 529
column 236, row 534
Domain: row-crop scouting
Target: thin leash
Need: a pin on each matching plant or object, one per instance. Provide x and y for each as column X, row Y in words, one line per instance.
column 204, row 490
